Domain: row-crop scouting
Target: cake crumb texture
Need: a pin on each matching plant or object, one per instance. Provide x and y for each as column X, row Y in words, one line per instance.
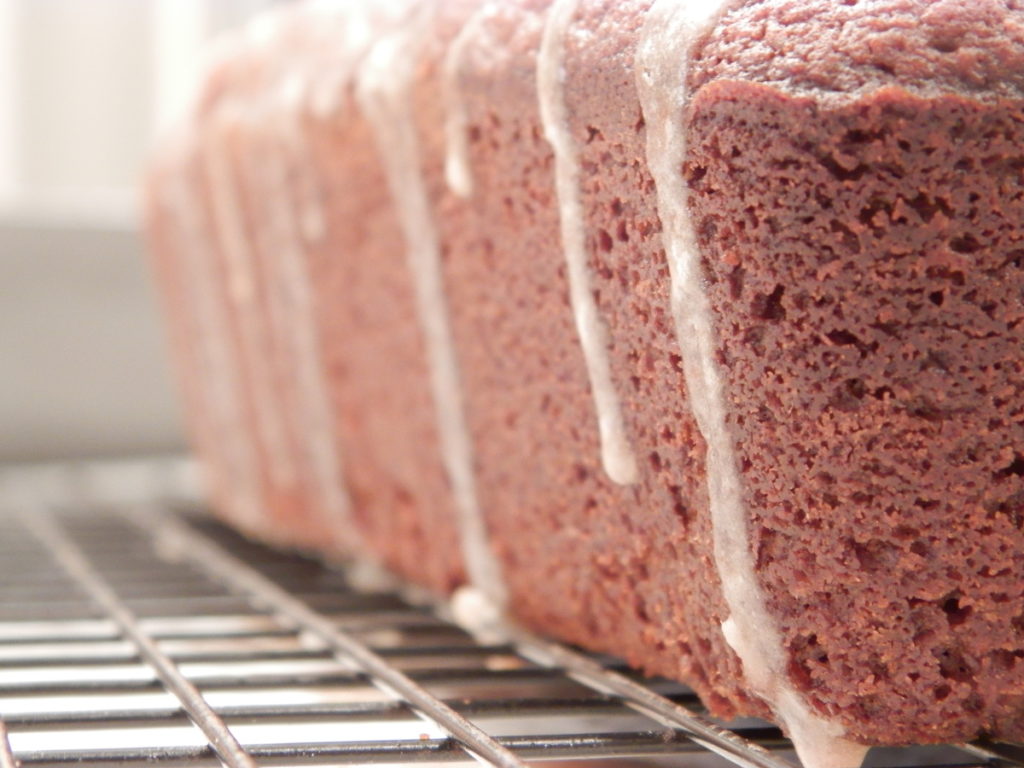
column 865, row 257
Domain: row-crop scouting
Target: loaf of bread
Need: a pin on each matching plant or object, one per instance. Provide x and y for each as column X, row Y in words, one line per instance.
column 688, row 331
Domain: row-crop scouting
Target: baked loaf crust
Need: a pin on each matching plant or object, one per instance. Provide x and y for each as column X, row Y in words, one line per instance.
column 685, row 331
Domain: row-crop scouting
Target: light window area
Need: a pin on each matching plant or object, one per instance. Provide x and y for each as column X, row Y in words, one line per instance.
column 85, row 86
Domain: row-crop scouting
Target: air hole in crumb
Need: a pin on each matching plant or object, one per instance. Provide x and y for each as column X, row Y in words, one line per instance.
column 655, row 460
column 855, row 136
column 1012, row 508
column 1014, row 468
column 873, row 556
column 870, row 213
column 843, row 338
column 923, row 409
column 679, row 509
column 848, row 396
column 842, row 173
column 955, row 614
column 1014, row 259
column 769, row 306
column 926, row 207
column 735, row 280
column 850, row 240
column 641, row 609
column 974, row 703
column 1006, row 659
column 966, row 244
column 806, row 655
column 942, row 692
column 937, row 359
column 937, row 298
column 622, row 233
column 604, row 240
column 953, row 665
column 696, row 175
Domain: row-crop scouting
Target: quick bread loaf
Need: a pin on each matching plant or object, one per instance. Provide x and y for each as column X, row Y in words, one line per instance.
column 686, row 331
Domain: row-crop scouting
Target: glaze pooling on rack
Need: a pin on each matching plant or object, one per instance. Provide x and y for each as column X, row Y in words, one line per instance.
column 616, row 451
column 670, row 34
column 384, row 82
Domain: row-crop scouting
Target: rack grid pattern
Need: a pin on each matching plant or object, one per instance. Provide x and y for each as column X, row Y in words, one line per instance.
column 132, row 634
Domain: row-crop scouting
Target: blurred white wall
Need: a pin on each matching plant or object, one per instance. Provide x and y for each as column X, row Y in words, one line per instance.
column 84, row 87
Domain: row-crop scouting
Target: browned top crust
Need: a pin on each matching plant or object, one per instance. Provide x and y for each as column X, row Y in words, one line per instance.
column 844, row 47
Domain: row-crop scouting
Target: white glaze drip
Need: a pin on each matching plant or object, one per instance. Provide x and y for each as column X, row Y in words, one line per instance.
column 299, row 218
column 384, row 91
column 360, row 23
column 291, row 279
column 670, row 33
column 228, row 224
column 479, row 615
column 274, row 116
column 458, row 170
column 221, row 382
column 312, row 219
column 616, row 450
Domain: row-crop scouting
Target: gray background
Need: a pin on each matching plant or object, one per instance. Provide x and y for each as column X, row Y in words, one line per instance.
column 82, row 352
column 85, row 87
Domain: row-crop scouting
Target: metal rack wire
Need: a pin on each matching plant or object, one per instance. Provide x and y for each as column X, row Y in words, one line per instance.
column 131, row 635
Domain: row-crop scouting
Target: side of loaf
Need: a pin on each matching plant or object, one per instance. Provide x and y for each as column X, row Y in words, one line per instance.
column 684, row 331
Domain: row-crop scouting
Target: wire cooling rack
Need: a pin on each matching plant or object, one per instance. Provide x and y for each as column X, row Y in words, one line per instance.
column 135, row 635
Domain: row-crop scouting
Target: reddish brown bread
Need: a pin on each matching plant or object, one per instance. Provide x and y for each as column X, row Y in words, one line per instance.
column 377, row 364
